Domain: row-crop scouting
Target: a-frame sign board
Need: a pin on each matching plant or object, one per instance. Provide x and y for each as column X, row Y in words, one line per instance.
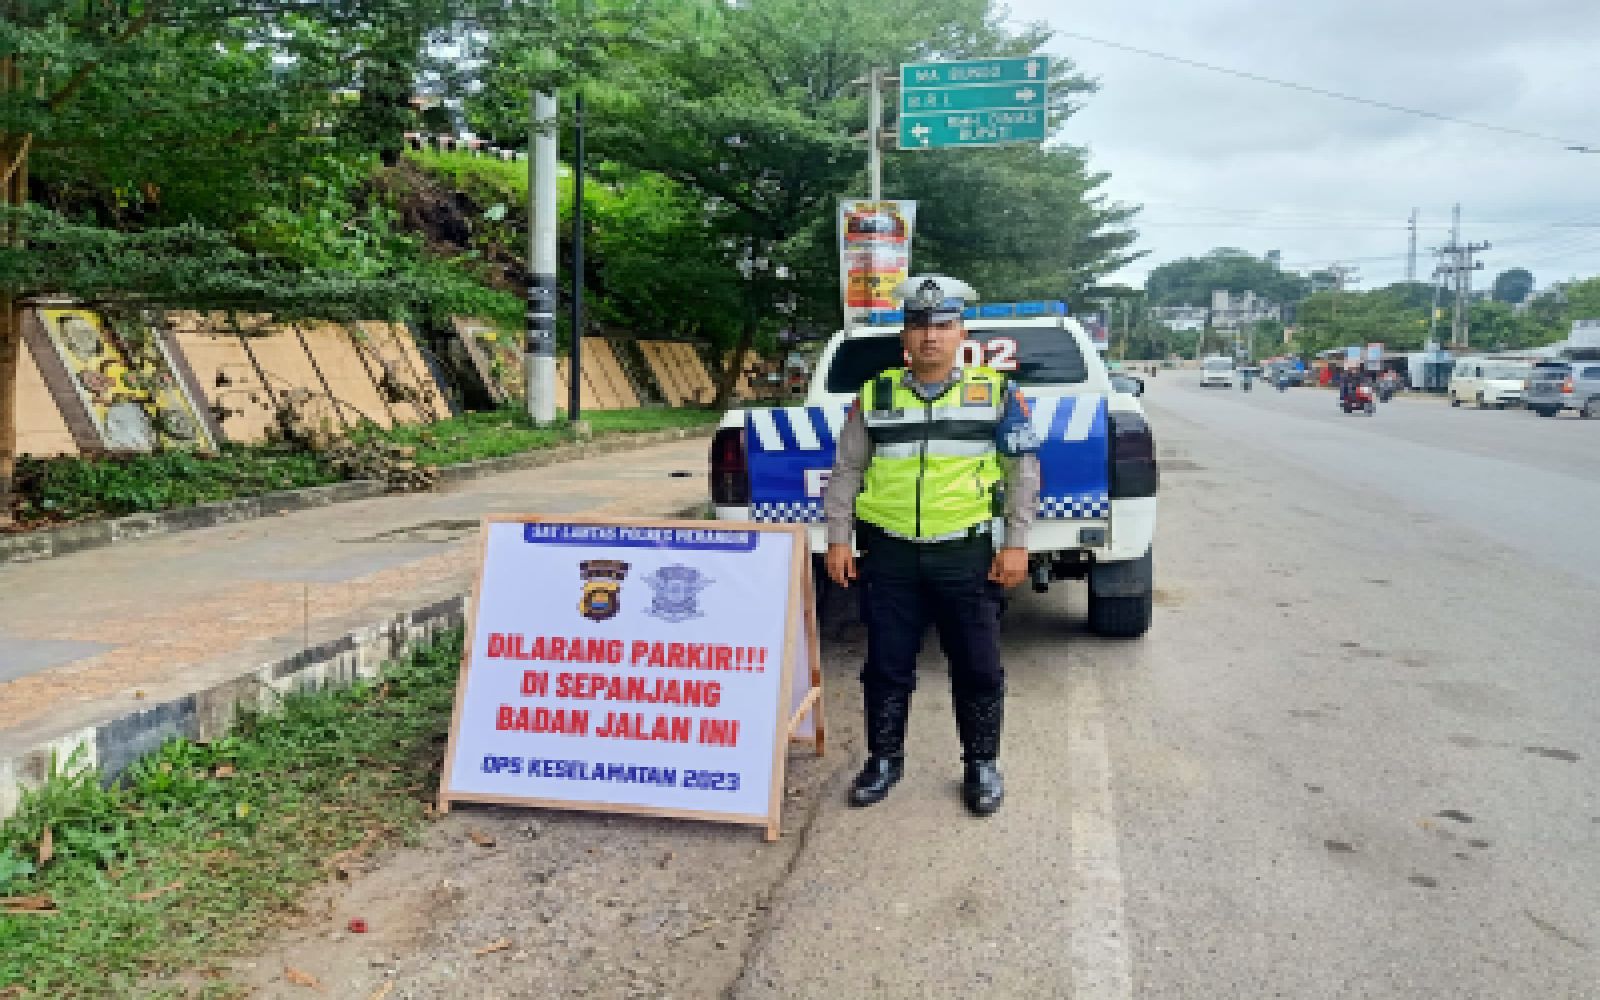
column 654, row 667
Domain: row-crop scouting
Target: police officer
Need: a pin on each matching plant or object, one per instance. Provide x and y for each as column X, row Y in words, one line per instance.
column 920, row 462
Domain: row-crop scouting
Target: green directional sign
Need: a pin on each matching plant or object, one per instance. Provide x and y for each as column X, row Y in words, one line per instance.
column 983, row 98
column 971, row 128
column 967, row 72
column 974, row 102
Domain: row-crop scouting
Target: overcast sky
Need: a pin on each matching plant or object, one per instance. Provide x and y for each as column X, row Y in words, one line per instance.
column 1221, row 161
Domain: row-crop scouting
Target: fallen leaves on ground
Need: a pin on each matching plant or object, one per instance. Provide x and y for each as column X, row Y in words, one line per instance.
column 149, row 894
column 493, row 946
column 47, row 846
column 299, row 978
column 480, row 838
column 382, row 991
column 223, row 771
column 27, row 904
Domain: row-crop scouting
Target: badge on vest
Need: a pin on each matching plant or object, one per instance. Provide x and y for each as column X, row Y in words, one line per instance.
column 978, row 394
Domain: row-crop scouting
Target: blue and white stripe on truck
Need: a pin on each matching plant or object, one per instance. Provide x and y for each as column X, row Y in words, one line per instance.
column 791, row 452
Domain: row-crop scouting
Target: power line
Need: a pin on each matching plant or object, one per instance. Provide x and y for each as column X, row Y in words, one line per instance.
column 1571, row 144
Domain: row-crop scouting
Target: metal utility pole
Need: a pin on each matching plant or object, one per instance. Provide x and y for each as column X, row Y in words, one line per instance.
column 575, row 364
column 1455, row 265
column 1343, row 274
column 874, row 134
column 1460, row 268
column 1411, row 253
column 539, row 347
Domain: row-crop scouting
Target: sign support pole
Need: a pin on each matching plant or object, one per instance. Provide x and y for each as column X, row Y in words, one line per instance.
column 874, row 134
column 540, row 344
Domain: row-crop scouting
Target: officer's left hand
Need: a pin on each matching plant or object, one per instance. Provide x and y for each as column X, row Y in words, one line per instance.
column 1010, row 567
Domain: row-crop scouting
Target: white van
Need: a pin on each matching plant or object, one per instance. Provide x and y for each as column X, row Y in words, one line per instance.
column 1486, row 382
column 1216, row 370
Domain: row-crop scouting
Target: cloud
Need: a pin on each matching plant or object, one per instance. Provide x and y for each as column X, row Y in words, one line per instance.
column 1219, row 160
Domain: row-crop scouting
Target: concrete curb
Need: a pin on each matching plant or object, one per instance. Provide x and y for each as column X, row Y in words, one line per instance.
column 354, row 651
column 62, row 541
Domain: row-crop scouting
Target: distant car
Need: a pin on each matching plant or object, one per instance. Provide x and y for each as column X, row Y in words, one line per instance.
column 1122, row 382
column 1216, row 370
column 1486, row 382
column 1285, row 373
column 1554, row 386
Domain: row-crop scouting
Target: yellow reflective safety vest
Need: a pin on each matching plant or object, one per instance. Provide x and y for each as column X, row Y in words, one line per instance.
column 934, row 463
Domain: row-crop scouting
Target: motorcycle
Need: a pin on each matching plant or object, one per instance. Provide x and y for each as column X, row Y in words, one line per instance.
column 1359, row 398
column 1283, row 385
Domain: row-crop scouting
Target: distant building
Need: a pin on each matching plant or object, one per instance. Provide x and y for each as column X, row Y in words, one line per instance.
column 1230, row 311
column 1181, row 319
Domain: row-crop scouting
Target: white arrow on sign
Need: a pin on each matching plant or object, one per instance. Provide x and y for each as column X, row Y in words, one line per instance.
column 1032, row 68
column 1027, row 94
column 921, row 133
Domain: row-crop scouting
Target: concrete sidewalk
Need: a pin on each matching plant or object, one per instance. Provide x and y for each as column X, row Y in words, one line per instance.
column 119, row 648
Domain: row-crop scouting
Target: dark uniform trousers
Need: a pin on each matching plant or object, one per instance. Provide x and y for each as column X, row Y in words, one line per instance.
column 905, row 586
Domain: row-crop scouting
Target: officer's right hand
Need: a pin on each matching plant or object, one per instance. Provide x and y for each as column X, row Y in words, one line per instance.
column 841, row 560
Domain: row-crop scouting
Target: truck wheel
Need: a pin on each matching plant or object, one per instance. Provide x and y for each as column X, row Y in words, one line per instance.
column 1591, row 409
column 1544, row 411
column 1121, row 617
column 1455, row 400
column 1480, row 401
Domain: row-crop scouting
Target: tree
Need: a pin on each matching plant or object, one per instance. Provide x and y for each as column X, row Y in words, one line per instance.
column 1583, row 299
column 150, row 111
column 1190, row 281
column 1513, row 286
column 1018, row 223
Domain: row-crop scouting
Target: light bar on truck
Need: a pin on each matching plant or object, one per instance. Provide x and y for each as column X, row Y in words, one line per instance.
column 989, row 310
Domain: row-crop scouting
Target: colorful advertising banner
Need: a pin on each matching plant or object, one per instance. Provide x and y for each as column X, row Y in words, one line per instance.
column 653, row 667
column 874, row 252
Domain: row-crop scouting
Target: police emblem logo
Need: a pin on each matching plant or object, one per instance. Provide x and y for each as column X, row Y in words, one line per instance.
column 979, row 394
column 676, row 589
column 602, row 588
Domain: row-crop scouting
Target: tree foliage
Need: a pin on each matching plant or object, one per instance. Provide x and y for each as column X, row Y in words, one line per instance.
column 1190, row 281
column 1514, row 285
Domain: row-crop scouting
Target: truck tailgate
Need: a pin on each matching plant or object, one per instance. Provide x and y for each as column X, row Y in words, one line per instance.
column 791, row 452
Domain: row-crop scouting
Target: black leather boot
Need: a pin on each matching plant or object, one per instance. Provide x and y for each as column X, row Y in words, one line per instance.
column 979, row 719
column 886, row 739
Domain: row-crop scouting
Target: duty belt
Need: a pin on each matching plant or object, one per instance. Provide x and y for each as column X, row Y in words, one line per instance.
column 976, row 531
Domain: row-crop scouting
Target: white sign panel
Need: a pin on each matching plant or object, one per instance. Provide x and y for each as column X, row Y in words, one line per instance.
column 631, row 667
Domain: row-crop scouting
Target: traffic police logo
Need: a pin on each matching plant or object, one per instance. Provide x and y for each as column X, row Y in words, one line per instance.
column 978, row 394
column 676, row 588
column 602, row 588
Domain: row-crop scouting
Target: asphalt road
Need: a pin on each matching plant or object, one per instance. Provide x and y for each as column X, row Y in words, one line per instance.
column 1354, row 758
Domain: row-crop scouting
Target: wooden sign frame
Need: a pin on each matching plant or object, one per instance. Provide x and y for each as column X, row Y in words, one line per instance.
column 800, row 613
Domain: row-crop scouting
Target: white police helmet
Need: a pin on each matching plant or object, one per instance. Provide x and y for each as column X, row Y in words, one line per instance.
column 933, row 298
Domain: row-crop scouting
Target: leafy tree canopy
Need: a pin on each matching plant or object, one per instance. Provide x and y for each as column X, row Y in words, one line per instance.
column 1513, row 286
column 1190, row 281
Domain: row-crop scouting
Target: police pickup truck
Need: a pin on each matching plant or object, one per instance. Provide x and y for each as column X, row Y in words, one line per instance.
column 1097, row 499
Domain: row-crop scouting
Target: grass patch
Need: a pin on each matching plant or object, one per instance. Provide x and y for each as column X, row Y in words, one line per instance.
column 198, row 848
column 66, row 489
column 60, row 490
column 475, row 436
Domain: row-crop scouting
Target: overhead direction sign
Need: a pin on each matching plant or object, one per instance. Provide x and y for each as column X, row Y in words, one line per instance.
column 974, row 102
column 971, row 128
column 1033, row 69
column 979, row 98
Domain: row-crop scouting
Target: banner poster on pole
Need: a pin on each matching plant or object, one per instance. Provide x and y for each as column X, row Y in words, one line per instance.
column 874, row 252
column 653, row 667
